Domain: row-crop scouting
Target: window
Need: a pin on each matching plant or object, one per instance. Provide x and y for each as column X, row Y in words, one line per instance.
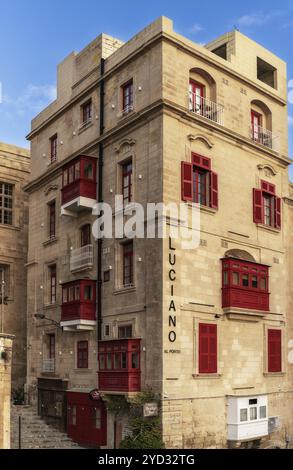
column 51, row 340
column 4, row 282
column 256, row 125
column 6, row 203
column 52, row 273
column 266, row 73
column 52, row 219
column 85, row 235
column 82, row 355
column 221, row 51
column 97, row 418
column 267, row 206
column 125, row 331
column 198, row 182
column 243, row 415
column 53, row 148
column 88, row 293
column 127, row 97
column 127, row 182
column 88, row 171
column 107, row 330
column 86, row 112
column 207, row 348
column 107, row 275
column 274, row 351
column 262, row 412
column 253, row 413
column 196, row 97
column 127, row 264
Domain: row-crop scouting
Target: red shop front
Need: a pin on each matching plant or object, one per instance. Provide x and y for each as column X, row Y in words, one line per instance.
column 86, row 420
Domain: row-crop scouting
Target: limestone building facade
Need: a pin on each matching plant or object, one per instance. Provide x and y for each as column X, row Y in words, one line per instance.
column 14, row 174
column 162, row 119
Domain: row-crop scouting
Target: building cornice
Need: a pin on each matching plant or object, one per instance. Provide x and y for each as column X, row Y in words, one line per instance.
column 162, row 36
column 138, row 119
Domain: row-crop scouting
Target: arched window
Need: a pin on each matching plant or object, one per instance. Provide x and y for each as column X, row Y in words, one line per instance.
column 261, row 124
column 202, row 95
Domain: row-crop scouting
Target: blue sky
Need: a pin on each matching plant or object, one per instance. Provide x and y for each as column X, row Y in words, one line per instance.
column 36, row 35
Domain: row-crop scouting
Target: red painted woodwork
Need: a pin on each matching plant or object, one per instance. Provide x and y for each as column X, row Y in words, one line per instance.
column 274, row 351
column 245, row 284
column 207, row 348
column 119, row 365
column 267, row 191
column 75, row 302
column 82, row 425
column 79, row 178
column 192, row 184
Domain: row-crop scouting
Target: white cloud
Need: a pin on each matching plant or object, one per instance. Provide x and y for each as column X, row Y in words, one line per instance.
column 259, row 18
column 196, row 28
column 34, row 98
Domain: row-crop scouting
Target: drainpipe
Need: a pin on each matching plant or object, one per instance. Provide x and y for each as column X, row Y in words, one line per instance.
column 100, row 199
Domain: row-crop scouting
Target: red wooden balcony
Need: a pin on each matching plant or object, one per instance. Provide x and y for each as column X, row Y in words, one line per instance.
column 78, row 310
column 245, row 284
column 79, row 185
column 119, row 365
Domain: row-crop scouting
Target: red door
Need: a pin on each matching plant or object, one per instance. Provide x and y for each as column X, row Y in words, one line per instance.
column 196, row 97
column 256, row 122
column 87, row 420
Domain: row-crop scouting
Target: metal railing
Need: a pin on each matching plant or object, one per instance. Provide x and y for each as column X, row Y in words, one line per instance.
column 49, row 365
column 206, row 108
column 263, row 136
column 82, row 258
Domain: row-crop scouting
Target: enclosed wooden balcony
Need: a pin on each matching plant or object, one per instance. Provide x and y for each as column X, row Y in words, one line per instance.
column 78, row 309
column 245, row 285
column 119, row 365
column 79, row 185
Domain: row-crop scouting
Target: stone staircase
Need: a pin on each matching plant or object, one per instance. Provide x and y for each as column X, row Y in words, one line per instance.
column 36, row 434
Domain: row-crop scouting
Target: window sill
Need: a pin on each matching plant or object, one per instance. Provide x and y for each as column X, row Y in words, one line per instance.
column 82, row 371
column 10, row 227
column 206, row 209
column 268, row 228
column 274, row 374
column 84, row 126
column 50, row 241
column 206, row 376
column 124, row 290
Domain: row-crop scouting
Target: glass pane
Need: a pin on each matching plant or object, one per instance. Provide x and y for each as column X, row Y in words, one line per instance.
column 77, row 171
column 88, row 171
column 245, row 281
column 88, row 293
column 135, row 361
column 71, row 294
column 124, row 360
column 76, row 292
column 102, row 361
column 253, row 413
column 225, row 278
column 263, row 284
column 109, row 361
column 243, row 414
column 64, row 295
column 117, row 361
column 262, row 412
column 254, row 282
column 235, row 279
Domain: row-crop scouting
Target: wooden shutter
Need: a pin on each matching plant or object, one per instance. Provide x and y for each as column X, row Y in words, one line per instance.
column 186, row 181
column 214, row 200
column 207, row 347
column 277, row 212
column 257, row 206
column 274, row 351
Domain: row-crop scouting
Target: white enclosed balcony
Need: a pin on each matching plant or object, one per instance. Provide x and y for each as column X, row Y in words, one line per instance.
column 206, row 108
column 263, row 136
column 82, row 258
column 49, row 365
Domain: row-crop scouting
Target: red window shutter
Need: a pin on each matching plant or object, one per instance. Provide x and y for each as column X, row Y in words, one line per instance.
column 186, row 181
column 207, row 347
column 277, row 212
column 214, row 200
column 257, row 206
column 274, row 351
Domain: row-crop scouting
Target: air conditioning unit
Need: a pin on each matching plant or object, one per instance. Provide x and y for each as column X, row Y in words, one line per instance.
column 274, row 424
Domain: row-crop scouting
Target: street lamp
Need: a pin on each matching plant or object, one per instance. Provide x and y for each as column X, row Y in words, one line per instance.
column 41, row 316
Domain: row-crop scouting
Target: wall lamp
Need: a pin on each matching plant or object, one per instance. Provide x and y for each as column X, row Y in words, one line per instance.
column 41, row 316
